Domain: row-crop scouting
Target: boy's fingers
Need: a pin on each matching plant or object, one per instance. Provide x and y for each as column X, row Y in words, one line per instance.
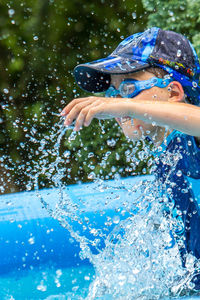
column 69, row 106
column 74, row 102
column 74, row 112
column 81, row 117
column 92, row 113
column 118, row 121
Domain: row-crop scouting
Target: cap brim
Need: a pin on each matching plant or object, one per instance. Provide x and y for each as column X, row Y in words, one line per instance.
column 95, row 76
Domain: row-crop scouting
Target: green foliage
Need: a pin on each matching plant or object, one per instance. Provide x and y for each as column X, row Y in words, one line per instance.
column 40, row 44
column 102, row 151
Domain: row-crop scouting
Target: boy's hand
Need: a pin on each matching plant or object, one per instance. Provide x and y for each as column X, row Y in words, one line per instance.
column 84, row 110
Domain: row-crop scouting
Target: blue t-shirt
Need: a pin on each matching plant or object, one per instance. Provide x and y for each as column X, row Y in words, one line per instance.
column 178, row 173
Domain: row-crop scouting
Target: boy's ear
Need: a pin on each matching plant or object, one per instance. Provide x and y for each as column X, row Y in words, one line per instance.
column 176, row 92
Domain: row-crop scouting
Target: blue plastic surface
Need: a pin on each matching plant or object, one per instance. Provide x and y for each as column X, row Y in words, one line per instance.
column 29, row 236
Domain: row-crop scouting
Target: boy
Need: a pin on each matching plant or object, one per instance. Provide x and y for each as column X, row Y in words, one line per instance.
column 151, row 85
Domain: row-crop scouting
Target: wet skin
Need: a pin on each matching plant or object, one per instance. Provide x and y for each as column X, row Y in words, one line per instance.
column 136, row 129
column 147, row 114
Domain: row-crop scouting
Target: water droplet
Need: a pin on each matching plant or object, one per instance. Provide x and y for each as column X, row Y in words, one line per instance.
column 194, row 84
column 6, row 91
column 31, row 241
column 41, row 287
column 178, row 53
column 117, row 156
column 169, row 88
column 67, row 153
column 59, row 272
column 134, row 15
column 116, row 219
column 179, row 173
column 11, row 12
column 111, row 142
column 94, row 231
column 91, row 175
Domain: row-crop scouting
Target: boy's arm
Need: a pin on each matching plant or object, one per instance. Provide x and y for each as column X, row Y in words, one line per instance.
column 176, row 115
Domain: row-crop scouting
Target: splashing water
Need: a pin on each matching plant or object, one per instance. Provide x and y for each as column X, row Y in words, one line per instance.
column 139, row 263
column 138, row 259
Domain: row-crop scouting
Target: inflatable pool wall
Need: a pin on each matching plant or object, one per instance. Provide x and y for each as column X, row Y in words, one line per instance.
column 29, row 236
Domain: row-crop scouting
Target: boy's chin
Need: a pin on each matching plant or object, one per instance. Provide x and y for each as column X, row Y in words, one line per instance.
column 137, row 136
column 134, row 136
column 134, row 133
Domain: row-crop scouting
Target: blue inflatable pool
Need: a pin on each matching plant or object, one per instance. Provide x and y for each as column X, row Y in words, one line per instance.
column 30, row 237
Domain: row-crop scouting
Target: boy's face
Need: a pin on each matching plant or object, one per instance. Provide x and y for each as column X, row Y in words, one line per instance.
column 136, row 129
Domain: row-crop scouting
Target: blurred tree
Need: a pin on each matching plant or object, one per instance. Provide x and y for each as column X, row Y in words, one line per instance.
column 40, row 44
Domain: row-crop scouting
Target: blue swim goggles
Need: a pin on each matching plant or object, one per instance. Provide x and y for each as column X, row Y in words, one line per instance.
column 129, row 88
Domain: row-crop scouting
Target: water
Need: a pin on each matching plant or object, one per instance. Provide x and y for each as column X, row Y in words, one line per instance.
column 128, row 240
column 47, row 282
column 139, row 258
